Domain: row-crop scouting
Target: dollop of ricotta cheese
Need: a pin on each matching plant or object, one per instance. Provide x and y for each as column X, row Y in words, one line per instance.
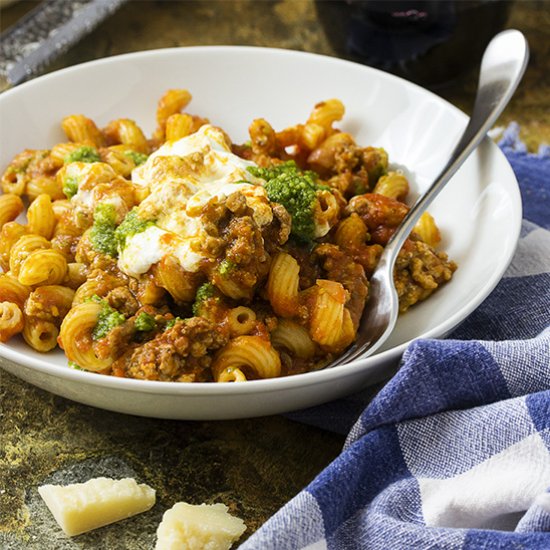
column 181, row 177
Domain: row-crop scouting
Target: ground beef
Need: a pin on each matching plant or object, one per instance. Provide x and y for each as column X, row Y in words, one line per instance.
column 236, row 203
column 125, row 336
column 49, row 303
column 345, row 166
column 419, row 271
column 86, row 253
column 368, row 256
column 310, row 269
column 182, row 353
column 279, row 230
column 235, row 237
column 245, row 252
column 244, row 242
column 122, row 299
column 336, row 155
column 117, row 340
column 349, row 183
column 103, row 282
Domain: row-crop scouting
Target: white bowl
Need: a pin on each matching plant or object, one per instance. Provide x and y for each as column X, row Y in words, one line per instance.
column 479, row 213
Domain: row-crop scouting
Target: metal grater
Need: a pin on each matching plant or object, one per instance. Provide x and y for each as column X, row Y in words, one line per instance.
column 50, row 29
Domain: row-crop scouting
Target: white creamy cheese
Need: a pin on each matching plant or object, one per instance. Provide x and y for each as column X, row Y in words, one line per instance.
column 181, row 223
column 86, row 175
column 209, row 142
column 201, row 527
column 81, row 507
column 188, row 258
column 181, row 178
column 216, row 189
column 84, row 199
column 116, row 201
column 142, row 250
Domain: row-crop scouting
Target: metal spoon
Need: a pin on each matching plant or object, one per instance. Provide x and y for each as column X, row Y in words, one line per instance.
column 502, row 68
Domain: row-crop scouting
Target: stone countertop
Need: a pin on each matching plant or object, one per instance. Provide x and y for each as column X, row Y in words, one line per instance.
column 254, row 466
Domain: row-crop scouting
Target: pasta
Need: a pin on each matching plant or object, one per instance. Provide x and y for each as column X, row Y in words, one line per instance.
column 283, row 285
column 43, row 267
column 9, row 235
column 76, row 337
column 242, row 320
column 10, row 207
column 39, row 334
column 41, row 217
column 126, row 132
column 50, row 303
column 43, row 185
column 181, row 285
column 186, row 257
column 393, row 185
column 171, row 103
column 250, row 353
column 293, row 337
column 81, row 129
column 119, row 158
column 23, row 248
column 427, row 229
column 178, row 125
column 11, row 320
column 330, row 320
column 11, row 290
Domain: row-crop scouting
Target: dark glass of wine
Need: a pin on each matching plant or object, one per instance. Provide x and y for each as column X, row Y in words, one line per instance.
column 430, row 42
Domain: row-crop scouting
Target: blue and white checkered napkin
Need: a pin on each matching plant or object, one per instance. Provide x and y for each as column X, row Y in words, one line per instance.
column 454, row 452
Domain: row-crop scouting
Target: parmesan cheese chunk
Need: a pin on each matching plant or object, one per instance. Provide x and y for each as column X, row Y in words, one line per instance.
column 82, row 507
column 202, row 527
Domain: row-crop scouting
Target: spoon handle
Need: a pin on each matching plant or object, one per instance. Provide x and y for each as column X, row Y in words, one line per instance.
column 502, row 67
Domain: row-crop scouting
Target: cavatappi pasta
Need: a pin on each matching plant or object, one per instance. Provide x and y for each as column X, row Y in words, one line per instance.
column 187, row 257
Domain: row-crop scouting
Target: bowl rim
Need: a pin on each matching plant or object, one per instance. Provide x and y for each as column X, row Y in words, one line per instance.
column 311, row 378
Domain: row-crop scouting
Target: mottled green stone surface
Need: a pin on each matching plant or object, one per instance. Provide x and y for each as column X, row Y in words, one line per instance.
column 253, row 466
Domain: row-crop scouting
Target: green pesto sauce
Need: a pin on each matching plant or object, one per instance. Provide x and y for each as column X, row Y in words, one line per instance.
column 359, row 187
column 15, row 170
column 20, row 169
column 70, row 187
column 83, row 154
column 226, row 266
column 102, row 234
column 108, row 319
column 173, row 321
column 106, row 237
column 131, row 225
column 145, row 322
column 137, row 158
column 380, row 167
column 204, row 292
column 296, row 190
